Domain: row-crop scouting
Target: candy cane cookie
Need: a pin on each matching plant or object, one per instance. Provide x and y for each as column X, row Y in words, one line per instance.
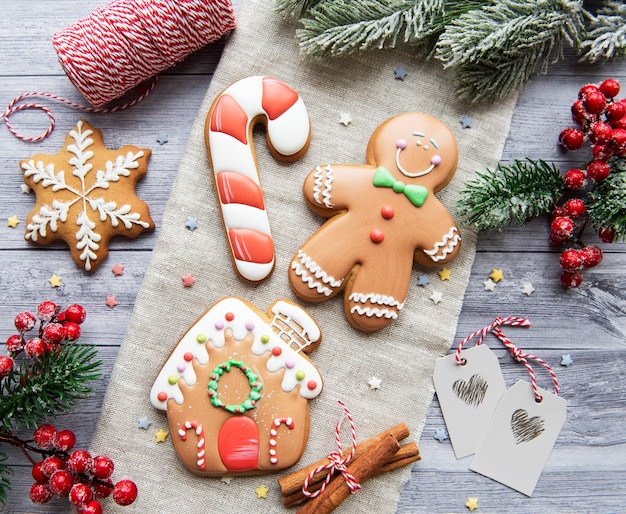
column 274, row 432
column 230, row 147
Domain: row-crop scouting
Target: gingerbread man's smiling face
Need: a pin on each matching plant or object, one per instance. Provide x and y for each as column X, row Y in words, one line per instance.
column 415, row 148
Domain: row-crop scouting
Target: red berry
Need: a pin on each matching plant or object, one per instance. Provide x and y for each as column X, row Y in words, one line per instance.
column 606, row 234
column 594, row 102
column 598, row 170
column 64, row 440
column 601, row 153
column 36, row 348
column 38, row 473
column 102, row 467
column 79, row 461
column 24, row 322
column 574, row 179
column 75, row 313
column 562, row 226
column 615, row 112
column 40, row 494
column 46, row 310
column 15, row 343
column 124, row 492
column 51, row 464
column 571, row 138
column 579, row 113
column 618, row 141
column 571, row 279
column 6, row 365
column 103, row 488
column 592, row 256
column 574, row 208
column 610, row 88
column 61, row 482
column 54, row 333
column 587, row 88
column 44, row 436
column 557, row 212
column 80, row 494
column 600, row 133
column 72, row 330
column 571, row 260
column 93, row 507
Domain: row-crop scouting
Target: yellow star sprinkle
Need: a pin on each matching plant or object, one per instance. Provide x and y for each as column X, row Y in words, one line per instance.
column 55, row 280
column 12, row 221
column 161, row 435
column 496, row 275
column 444, row 274
column 472, row 504
column 261, row 491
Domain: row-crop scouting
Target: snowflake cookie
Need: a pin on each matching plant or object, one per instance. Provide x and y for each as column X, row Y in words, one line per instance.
column 86, row 195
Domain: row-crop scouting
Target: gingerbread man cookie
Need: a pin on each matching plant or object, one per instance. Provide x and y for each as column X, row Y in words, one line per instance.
column 236, row 388
column 383, row 216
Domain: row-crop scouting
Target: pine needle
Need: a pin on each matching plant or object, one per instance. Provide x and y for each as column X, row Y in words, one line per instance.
column 5, row 483
column 606, row 39
column 606, row 204
column 510, row 194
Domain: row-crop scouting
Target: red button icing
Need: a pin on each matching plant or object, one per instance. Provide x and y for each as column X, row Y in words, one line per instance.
column 387, row 212
column 377, row 236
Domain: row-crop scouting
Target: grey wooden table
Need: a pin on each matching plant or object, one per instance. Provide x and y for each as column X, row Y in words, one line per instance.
column 586, row 470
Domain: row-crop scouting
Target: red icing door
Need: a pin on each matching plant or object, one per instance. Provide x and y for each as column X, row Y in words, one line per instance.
column 238, row 444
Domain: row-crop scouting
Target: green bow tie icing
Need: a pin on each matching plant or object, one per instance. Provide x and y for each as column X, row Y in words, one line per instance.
column 416, row 194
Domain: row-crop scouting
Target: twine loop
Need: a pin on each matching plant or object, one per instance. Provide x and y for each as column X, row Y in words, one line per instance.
column 336, row 461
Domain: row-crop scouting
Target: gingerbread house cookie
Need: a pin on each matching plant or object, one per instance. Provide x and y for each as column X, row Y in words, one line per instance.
column 236, row 388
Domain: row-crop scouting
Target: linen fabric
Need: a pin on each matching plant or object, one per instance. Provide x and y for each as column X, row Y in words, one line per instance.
column 402, row 356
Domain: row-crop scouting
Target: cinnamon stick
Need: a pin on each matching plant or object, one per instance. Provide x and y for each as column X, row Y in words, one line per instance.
column 407, row 454
column 361, row 469
column 292, row 483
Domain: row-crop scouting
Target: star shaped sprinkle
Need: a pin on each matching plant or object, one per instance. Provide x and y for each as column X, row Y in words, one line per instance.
column 161, row 435
column 118, row 270
column 144, row 423
column 472, row 504
column 111, row 301
column 192, row 223
column 86, row 195
column 374, row 383
column 440, row 434
column 188, row 280
column 226, row 480
column 162, row 138
column 444, row 274
column 345, row 119
column 55, row 280
column 26, row 189
column 400, row 73
column 436, row 297
column 422, row 280
column 261, row 491
column 489, row 284
column 528, row 289
column 12, row 221
column 496, row 275
column 466, row 122
column 566, row 360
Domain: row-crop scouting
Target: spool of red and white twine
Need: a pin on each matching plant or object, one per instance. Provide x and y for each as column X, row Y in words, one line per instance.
column 124, row 43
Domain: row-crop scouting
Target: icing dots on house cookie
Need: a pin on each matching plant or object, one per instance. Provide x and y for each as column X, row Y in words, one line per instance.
column 241, row 378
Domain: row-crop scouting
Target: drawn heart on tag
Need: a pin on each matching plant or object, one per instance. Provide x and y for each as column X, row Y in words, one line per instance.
column 472, row 392
column 524, row 427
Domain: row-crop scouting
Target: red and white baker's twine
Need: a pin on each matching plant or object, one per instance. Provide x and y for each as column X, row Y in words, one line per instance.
column 498, row 322
column 122, row 44
column 336, row 463
column 522, row 357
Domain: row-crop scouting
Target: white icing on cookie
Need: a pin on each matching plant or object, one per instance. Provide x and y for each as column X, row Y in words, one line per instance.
column 323, row 186
column 445, row 246
column 311, row 274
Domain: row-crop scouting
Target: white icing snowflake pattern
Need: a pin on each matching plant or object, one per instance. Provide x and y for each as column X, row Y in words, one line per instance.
column 84, row 196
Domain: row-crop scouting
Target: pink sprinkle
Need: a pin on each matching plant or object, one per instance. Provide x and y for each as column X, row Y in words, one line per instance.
column 250, row 325
column 289, row 363
column 401, row 144
column 435, row 159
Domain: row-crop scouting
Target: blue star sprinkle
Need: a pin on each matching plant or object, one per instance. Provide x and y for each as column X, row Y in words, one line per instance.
column 144, row 423
column 422, row 280
column 400, row 73
column 192, row 223
column 440, row 434
column 466, row 122
column 162, row 138
column 566, row 360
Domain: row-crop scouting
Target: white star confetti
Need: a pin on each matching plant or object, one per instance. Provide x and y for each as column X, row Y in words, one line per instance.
column 374, row 383
column 528, row 289
column 436, row 297
column 489, row 284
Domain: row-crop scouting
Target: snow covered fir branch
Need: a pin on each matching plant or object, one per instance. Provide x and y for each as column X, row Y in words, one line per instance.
column 494, row 46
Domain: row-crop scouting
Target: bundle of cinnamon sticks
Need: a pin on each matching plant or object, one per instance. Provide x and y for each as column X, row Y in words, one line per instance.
column 373, row 457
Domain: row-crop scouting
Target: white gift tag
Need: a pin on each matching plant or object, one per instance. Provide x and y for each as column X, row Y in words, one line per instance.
column 468, row 394
column 520, row 437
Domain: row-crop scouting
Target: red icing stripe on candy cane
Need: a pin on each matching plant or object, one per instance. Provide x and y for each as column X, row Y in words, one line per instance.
column 229, row 127
column 199, row 430
column 274, row 432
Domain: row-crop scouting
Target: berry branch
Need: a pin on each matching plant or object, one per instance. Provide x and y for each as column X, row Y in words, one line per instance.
column 42, row 376
column 592, row 195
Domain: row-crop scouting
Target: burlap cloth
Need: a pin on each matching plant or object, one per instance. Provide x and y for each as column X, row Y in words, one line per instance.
column 402, row 355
